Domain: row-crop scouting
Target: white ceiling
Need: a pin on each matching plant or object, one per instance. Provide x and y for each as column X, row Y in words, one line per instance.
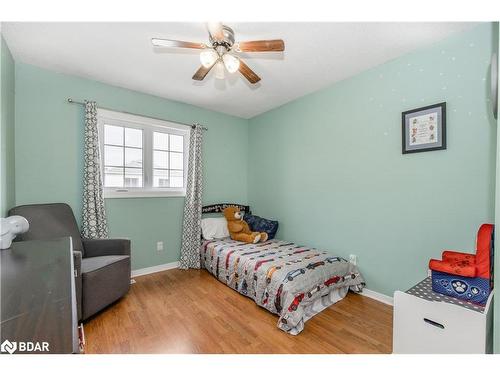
column 316, row 55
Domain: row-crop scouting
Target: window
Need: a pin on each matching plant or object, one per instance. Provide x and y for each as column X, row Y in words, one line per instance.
column 142, row 156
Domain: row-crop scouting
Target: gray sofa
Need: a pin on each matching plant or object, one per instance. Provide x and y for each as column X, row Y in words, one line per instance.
column 102, row 266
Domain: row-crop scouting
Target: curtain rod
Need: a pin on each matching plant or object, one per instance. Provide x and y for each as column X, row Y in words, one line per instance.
column 71, row 101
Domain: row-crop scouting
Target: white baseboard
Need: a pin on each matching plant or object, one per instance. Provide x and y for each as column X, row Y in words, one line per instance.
column 154, row 269
column 377, row 296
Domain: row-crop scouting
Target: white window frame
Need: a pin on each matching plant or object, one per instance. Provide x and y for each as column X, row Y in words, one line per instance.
column 148, row 126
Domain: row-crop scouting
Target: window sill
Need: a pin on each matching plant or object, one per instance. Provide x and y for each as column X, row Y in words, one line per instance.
column 143, row 194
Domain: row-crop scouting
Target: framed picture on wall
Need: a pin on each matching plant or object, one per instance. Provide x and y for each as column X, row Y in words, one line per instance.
column 424, row 129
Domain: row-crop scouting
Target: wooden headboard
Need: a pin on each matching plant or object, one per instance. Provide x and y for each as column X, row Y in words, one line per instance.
column 219, row 207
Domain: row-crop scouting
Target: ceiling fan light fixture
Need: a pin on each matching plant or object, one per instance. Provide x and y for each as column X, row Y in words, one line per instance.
column 208, row 58
column 219, row 70
column 222, row 52
column 231, row 63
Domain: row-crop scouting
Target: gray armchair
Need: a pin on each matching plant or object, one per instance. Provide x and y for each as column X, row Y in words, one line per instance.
column 102, row 266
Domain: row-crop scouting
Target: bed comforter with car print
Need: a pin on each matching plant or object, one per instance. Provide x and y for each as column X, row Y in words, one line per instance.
column 292, row 281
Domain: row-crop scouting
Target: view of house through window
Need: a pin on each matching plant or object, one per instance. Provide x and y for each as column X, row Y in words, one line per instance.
column 168, row 160
column 141, row 156
column 122, row 157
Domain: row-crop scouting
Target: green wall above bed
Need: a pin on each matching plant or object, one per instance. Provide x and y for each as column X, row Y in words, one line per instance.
column 329, row 165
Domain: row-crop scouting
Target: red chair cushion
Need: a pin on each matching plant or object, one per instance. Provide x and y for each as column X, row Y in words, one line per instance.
column 469, row 265
column 455, row 267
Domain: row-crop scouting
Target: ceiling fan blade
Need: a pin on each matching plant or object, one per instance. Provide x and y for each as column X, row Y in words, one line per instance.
column 202, row 72
column 215, row 30
column 261, row 46
column 248, row 73
column 176, row 43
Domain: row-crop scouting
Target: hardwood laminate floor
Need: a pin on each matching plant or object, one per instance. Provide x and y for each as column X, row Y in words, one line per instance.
column 190, row 311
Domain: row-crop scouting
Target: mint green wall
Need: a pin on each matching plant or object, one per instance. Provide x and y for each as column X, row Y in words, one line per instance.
column 49, row 140
column 7, row 98
column 329, row 166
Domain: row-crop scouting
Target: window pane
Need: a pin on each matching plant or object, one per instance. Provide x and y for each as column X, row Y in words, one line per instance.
column 133, row 177
column 113, row 155
column 176, row 179
column 176, row 160
column 160, row 141
column 113, row 177
column 133, row 157
column 113, row 135
column 160, row 159
column 125, row 158
column 176, row 143
column 133, row 137
column 160, row 178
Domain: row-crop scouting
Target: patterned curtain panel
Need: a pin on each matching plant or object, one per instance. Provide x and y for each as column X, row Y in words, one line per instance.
column 191, row 228
column 94, row 214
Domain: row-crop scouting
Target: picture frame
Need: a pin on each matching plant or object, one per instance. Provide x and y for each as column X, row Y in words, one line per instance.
column 424, row 129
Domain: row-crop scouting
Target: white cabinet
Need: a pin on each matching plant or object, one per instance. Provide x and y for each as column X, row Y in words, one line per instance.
column 430, row 326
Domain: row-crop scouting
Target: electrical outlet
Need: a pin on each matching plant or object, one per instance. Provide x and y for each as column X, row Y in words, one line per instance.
column 159, row 246
column 353, row 259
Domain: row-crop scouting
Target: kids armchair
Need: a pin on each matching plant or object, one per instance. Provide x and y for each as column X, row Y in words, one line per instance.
column 102, row 266
column 463, row 275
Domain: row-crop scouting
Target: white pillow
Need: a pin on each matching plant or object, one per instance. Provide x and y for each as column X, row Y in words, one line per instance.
column 214, row 228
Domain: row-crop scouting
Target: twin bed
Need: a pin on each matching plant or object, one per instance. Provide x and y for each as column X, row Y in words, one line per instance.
column 292, row 281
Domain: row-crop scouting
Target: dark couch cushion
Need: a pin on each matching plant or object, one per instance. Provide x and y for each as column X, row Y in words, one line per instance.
column 259, row 224
column 47, row 221
column 94, row 263
column 104, row 279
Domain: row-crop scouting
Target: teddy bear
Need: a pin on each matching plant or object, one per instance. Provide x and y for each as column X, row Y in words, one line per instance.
column 239, row 229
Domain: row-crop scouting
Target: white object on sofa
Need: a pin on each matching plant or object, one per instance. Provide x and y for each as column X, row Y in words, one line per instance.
column 10, row 227
column 214, row 228
column 458, row 330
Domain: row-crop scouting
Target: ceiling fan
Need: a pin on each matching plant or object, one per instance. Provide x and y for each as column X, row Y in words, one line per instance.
column 222, row 51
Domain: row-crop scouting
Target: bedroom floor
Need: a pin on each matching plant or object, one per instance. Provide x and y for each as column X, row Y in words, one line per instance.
column 191, row 312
